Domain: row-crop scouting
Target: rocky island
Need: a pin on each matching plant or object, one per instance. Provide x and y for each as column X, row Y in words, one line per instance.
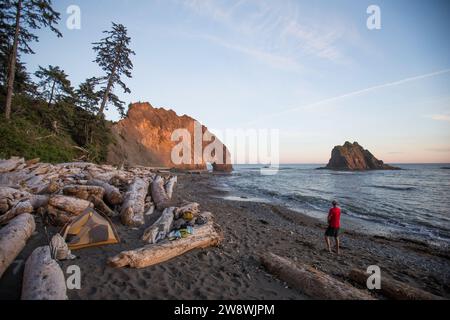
column 353, row 157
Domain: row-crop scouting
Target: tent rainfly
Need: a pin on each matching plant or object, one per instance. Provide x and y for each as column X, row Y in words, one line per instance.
column 90, row 229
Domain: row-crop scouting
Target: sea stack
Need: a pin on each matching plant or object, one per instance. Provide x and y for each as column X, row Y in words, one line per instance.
column 353, row 157
column 146, row 138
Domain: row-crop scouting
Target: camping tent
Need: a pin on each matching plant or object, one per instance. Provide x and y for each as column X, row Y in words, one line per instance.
column 88, row 230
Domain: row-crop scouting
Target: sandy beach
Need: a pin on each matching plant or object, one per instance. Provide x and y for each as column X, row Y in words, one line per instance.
column 233, row 270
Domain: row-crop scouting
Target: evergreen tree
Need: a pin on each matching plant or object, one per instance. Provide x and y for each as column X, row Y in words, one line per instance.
column 113, row 56
column 53, row 85
column 18, row 20
column 87, row 96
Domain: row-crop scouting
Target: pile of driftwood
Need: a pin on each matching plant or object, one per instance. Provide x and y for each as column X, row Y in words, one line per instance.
column 59, row 193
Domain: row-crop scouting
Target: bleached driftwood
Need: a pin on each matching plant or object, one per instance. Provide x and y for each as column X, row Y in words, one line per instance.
column 159, row 194
column 43, row 278
column 392, row 288
column 112, row 194
column 10, row 164
column 160, row 228
column 205, row 236
column 83, row 192
column 9, row 197
column 13, row 238
column 62, row 209
column 101, row 206
column 150, row 210
column 310, row 281
column 132, row 213
column 48, row 188
column 18, row 209
column 170, row 184
column 192, row 207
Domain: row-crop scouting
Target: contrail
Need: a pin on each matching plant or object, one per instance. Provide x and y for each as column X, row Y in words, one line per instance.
column 352, row 94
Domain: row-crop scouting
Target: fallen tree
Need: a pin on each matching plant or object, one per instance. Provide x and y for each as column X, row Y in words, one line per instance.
column 112, row 194
column 310, row 281
column 13, row 238
column 170, row 184
column 84, row 191
column 159, row 194
column 43, row 278
column 61, row 209
column 160, row 228
column 205, row 236
column 392, row 288
column 132, row 213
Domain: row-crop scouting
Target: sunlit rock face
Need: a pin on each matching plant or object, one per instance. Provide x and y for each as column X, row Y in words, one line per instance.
column 157, row 137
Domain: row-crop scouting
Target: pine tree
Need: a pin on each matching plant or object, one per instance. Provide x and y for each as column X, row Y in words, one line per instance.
column 113, row 56
column 54, row 85
column 17, row 21
column 87, row 96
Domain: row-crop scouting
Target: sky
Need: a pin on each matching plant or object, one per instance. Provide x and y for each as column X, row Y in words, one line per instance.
column 311, row 69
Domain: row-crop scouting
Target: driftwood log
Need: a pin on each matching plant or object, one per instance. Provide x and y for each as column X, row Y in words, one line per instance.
column 11, row 164
column 112, row 194
column 160, row 228
column 133, row 207
column 83, row 191
column 205, row 236
column 13, row 238
column 170, row 184
column 43, row 278
column 159, row 194
column 310, row 281
column 18, row 209
column 92, row 194
column 62, row 209
column 392, row 288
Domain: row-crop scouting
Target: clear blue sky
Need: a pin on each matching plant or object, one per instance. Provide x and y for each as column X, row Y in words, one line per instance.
column 309, row 68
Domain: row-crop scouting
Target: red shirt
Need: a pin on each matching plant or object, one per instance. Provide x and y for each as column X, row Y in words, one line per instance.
column 334, row 217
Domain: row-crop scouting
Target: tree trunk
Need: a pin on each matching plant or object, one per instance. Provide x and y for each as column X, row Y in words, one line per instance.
column 310, row 281
column 160, row 228
column 43, row 278
column 18, row 209
column 108, row 89
column 393, row 289
column 159, row 194
column 112, row 194
column 51, row 94
column 84, row 192
column 170, row 185
column 13, row 239
column 12, row 63
column 132, row 213
column 62, row 209
column 205, row 236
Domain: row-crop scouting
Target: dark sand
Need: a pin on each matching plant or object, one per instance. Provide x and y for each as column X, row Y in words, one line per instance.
column 233, row 270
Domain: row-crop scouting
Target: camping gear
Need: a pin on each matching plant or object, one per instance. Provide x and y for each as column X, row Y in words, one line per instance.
column 90, row 229
column 59, row 249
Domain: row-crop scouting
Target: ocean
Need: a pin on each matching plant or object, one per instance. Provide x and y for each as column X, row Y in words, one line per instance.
column 413, row 203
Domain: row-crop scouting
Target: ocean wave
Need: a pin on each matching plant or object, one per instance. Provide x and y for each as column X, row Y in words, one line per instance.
column 394, row 188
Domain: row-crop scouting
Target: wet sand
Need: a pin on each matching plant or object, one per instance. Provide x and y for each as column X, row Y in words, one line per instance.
column 232, row 270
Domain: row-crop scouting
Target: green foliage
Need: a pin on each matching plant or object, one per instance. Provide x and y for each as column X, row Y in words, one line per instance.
column 53, row 85
column 58, row 133
column 113, row 56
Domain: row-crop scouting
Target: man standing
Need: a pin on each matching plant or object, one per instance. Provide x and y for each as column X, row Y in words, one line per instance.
column 334, row 223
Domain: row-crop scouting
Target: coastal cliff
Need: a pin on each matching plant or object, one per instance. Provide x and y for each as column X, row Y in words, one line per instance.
column 353, row 157
column 144, row 138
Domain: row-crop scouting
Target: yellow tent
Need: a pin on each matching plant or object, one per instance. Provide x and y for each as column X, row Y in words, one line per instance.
column 90, row 229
